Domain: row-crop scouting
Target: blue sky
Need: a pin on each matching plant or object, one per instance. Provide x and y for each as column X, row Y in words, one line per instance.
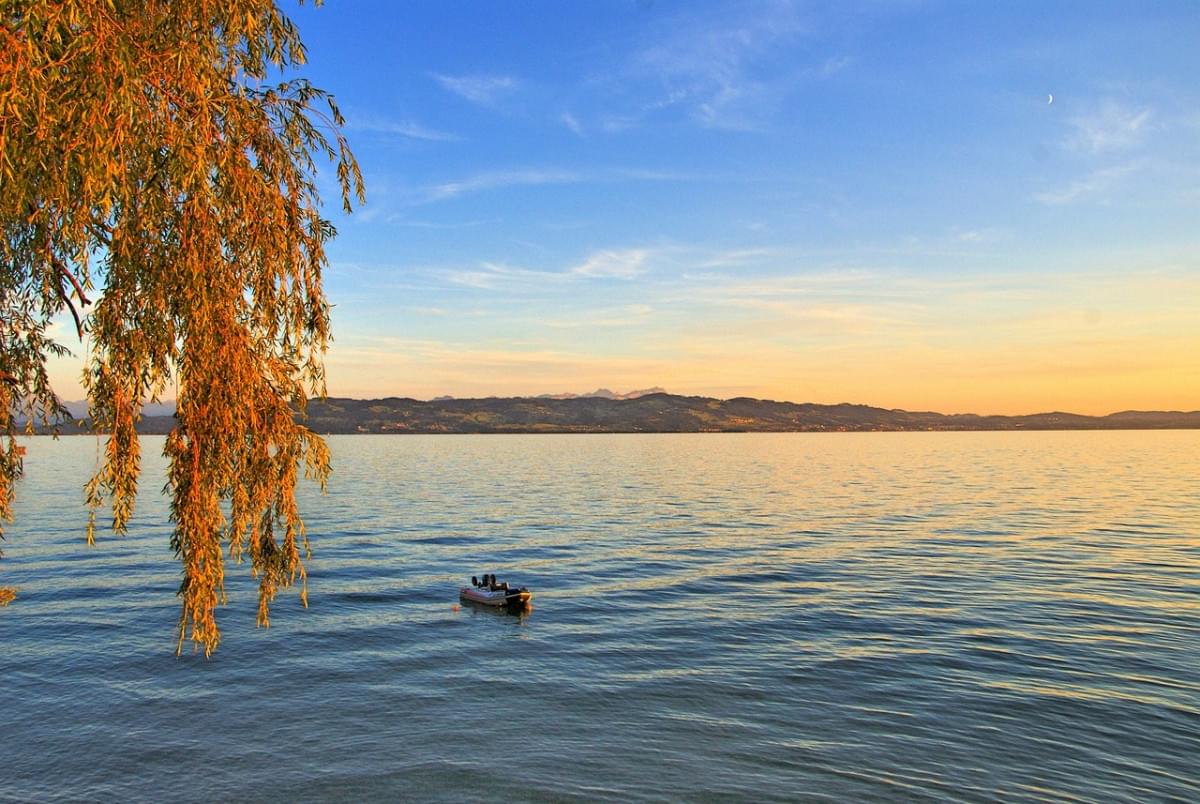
column 870, row 202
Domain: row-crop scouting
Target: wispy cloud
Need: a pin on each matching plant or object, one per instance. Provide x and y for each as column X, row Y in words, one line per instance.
column 1111, row 126
column 401, row 220
column 571, row 122
column 484, row 90
column 799, row 296
column 646, row 174
column 613, row 264
column 974, row 235
column 629, row 315
column 403, row 128
column 831, row 66
column 827, row 317
column 955, row 241
column 498, row 179
column 734, row 257
column 723, row 72
column 367, row 214
column 616, row 123
column 493, row 275
column 1092, row 185
column 607, row 264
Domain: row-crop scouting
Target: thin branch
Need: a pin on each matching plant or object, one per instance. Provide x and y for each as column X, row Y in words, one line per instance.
column 63, row 271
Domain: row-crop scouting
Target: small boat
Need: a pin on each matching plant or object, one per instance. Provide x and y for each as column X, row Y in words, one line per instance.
column 490, row 593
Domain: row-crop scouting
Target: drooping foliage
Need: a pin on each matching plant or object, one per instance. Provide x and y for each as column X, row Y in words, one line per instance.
column 153, row 156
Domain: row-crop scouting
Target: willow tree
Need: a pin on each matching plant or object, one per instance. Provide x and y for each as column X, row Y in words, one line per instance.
column 158, row 188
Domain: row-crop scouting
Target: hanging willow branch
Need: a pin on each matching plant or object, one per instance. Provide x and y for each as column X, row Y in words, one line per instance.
column 149, row 149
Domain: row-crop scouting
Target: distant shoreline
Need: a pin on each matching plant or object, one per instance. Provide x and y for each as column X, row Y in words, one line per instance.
column 663, row 413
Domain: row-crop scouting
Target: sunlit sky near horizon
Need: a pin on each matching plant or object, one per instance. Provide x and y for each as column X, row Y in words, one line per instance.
column 825, row 202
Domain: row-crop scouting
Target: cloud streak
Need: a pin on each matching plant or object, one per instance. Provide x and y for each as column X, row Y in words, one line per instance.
column 613, row 264
column 493, row 275
column 482, row 90
column 403, row 128
column 500, row 179
column 572, row 123
column 530, row 177
column 604, row 264
column 1110, row 127
column 723, row 73
column 1092, row 185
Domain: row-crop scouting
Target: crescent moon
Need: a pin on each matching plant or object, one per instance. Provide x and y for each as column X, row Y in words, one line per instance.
column 1049, row 99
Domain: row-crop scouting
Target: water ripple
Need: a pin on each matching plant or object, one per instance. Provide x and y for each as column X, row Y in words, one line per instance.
column 938, row 617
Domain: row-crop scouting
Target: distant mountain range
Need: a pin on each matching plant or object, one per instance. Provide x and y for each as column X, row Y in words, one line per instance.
column 79, row 408
column 604, row 393
column 658, row 412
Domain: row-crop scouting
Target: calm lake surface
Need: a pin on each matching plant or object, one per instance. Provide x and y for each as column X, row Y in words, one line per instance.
column 941, row 616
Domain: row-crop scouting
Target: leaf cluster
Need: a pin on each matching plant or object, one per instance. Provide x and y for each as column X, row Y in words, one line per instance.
column 152, row 154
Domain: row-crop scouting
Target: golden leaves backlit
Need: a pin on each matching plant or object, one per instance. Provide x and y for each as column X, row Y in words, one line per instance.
column 145, row 152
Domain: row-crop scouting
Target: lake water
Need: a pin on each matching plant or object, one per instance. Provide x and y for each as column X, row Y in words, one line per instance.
column 942, row 616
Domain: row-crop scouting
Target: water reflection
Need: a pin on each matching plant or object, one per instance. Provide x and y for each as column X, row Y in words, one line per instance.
column 520, row 611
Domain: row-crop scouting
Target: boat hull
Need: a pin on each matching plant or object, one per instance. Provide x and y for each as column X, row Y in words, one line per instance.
column 511, row 597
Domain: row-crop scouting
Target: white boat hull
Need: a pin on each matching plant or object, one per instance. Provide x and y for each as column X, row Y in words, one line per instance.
column 500, row 597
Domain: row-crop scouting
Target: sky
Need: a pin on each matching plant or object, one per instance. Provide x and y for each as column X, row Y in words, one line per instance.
column 985, row 207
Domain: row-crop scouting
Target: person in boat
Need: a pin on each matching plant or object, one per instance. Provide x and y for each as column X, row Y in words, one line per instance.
column 489, row 582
